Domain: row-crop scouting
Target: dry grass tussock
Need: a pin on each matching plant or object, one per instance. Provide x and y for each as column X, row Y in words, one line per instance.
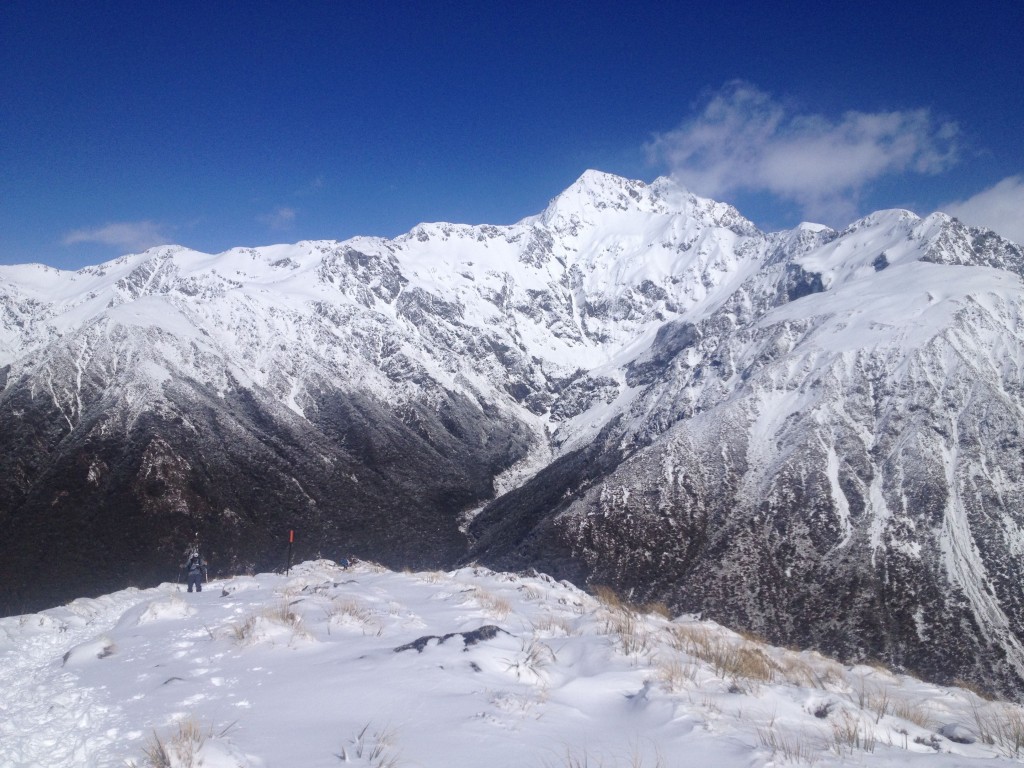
column 533, row 657
column 181, row 749
column 556, row 625
column 789, row 747
column 345, row 609
column 683, row 637
column 531, row 593
column 745, row 658
column 851, row 733
column 613, row 601
column 341, row 607
column 675, row 673
column 371, row 747
column 873, row 698
column 497, row 606
column 1001, row 726
column 739, row 659
column 281, row 614
column 625, row 622
column 800, row 672
column 609, row 598
column 657, row 608
column 629, row 630
column 913, row 711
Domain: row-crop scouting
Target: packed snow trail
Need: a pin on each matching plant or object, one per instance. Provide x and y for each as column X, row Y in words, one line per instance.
column 46, row 716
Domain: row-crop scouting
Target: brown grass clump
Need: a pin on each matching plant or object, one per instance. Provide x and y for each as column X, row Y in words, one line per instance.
column 657, row 608
column 281, row 613
column 499, row 607
column 850, row 733
column 531, row 593
column 554, row 624
column 181, row 749
column 916, row 712
column 341, row 607
column 674, row 673
column 788, row 747
column 627, row 628
column 737, row 659
column 609, row 598
column 1002, row 726
column 799, row 672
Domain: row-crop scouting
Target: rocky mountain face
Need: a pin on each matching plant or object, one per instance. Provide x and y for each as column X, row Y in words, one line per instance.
column 812, row 435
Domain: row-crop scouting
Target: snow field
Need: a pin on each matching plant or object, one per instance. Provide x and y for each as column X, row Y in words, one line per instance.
column 364, row 666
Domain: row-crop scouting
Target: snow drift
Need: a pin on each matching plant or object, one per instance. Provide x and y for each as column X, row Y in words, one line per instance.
column 333, row 666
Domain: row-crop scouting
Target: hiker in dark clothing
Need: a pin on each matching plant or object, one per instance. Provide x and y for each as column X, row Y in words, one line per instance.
column 195, row 567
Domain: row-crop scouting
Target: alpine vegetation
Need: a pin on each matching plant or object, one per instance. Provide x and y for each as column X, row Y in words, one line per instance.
column 436, row 684
column 811, row 435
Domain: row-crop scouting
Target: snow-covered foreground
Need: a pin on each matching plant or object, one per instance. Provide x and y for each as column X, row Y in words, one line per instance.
column 330, row 666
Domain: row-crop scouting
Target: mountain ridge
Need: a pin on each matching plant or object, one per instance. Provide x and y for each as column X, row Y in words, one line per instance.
column 756, row 425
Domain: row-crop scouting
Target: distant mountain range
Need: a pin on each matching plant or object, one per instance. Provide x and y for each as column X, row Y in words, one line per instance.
column 812, row 435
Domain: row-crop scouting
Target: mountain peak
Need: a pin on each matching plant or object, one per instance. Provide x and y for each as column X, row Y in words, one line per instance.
column 596, row 176
column 596, row 194
column 599, row 191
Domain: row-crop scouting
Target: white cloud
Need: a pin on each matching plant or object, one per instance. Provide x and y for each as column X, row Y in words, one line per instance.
column 126, row 235
column 999, row 208
column 282, row 218
column 744, row 139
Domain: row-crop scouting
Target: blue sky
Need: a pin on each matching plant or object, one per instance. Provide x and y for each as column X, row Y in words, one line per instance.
column 128, row 124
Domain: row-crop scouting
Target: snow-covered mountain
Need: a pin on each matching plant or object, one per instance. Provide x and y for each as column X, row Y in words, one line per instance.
column 368, row 667
column 811, row 434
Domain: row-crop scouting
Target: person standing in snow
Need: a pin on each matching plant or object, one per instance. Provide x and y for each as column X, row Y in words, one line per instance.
column 195, row 567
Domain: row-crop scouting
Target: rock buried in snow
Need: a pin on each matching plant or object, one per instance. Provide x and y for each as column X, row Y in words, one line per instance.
column 486, row 632
column 99, row 648
column 960, row 734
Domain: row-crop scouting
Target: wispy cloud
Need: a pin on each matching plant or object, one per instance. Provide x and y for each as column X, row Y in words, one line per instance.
column 282, row 218
column 999, row 208
column 315, row 185
column 745, row 139
column 126, row 235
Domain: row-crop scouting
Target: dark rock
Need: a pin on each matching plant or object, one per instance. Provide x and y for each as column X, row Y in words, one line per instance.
column 957, row 733
column 486, row 632
column 800, row 282
column 671, row 339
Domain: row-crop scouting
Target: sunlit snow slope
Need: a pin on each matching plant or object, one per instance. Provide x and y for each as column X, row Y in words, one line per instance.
column 367, row 667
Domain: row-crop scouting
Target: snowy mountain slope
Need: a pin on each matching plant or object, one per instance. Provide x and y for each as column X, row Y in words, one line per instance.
column 811, row 433
column 825, row 487
column 831, row 458
column 332, row 387
column 366, row 666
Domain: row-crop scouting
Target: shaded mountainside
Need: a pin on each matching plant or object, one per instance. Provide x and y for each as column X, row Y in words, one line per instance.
column 844, row 472
column 812, row 434
column 112, row 503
